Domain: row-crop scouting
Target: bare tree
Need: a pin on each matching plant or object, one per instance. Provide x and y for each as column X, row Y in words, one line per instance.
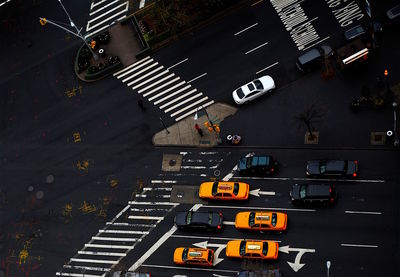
column 308, row 117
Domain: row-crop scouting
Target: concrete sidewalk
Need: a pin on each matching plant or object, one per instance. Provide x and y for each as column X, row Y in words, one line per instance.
column 183, row 132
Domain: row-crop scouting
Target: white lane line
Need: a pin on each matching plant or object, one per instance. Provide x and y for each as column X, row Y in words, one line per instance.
column 145, row 75
column 360, row 212
column 316, row 43
column 103, row 28
column 178, row 63
column 167, row 90
column 86, row 268
column 104, row 14
column 152, row 249
column 120, row 213
column 193, row 111
column 123, row 232
column 267, row 67
column 198, row 77
column 77, row 274
column 259, row 208
column 150, row 79
column 245, row 29
column 108, row 246
column 358, row 245
column 176, row 99
column 118, row 73
column 92, row 261
column 262, row 178
column 163, row 181
column 208, row 238
column 102, row 8
column 156, row 83
column 341, row 180
column 115, row 239
column 150, row 189
column 254, row 49
column 162, row 86
column 95, row 253
column 138, row 72
column 152, row 203
column 229, row 223
column 142, row 3
column 191, row 105
column 146, row 217
column 190, row 268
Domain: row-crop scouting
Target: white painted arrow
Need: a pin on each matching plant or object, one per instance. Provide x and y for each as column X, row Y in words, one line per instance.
column 296, row 266
column 205, row 244
column 257, row 192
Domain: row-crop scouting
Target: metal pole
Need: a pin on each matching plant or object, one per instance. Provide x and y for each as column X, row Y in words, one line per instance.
column 78, row 31
column 165, row 127
column 328, row 266
column 396, row 138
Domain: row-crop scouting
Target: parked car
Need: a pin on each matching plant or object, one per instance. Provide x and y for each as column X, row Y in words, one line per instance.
column 130, row 274
column 393, row 14
column 253, row 90
column 313, row 193
column 194, row 256
column 363, row 31
column 263, row 273
column 224, row 190
column 313, row 58
column 332, row 168
column 257, row 165
column 261, row 221
column 252, row 249
column 210, row 221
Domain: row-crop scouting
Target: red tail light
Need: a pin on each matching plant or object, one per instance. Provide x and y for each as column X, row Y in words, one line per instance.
column 354, row 174
column 330, row 190
column 219, row 227
column 332, row 199
column 356, row 162
column 272, row 169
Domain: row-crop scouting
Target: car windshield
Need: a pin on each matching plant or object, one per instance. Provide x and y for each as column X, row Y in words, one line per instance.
column 274, row 219
column 189, row 218
column 240, row 93
column 185, row 254
column 251, row 87
column 265, row 248
column 236, row 188
column 252, row 217
column 209, row 256
column 210, row 217
column 249, row 161
column 214, row 188
column 242, row 249
column 258, row 84
column 303, row 193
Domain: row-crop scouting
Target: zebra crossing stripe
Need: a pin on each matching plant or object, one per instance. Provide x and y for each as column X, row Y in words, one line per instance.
column 194, row 111
column 145, row 217
column 184, row 102
column 148, row 210
column 102, row 8
column 150, row 79
column 152, row 203
column 107, row 19
column 96, row 4
column 91, row 245
column 123, row 232
column 139, row 72
column 130, row 66
column 114, row 239
column 102, row 253
column 173, row 94
column 145, row 75
column 126, row 224
column 167, row 90
column 162, row 86
column 79, row 267
column 135, row 67
column 103, row 28
column 176, row 99
column 91, row 261
column 77, row 274
column 156, row 83
column 149, row 189
column 163, row 181
column 189, row 106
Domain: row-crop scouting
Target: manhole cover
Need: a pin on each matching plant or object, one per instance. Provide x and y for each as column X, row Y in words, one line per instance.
column 172, row 162
column 39, row 194
column 30, row 188
column 217, row 173
column 50, row 179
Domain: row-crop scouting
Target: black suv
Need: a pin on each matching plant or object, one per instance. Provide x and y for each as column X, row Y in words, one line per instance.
column 313, row 58
column 332, row 168
column 209, row 221
column 313, row 193
column 257, row 165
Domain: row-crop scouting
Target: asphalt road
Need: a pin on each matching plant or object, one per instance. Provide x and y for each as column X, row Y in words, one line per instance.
column 73, row 154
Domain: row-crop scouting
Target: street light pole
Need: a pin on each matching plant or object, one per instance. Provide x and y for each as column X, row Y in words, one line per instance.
column 163, row 124
column 396, row 137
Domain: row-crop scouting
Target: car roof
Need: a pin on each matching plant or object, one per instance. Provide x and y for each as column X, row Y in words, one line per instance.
column 393, row 12
column 317, row 189
column 310, row 55
column 225, row 187
column 335, row 165
column 354, row 32
column 262, row 217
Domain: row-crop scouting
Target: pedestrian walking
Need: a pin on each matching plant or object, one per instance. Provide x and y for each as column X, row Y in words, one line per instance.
column 140, row 104
column 198, row 129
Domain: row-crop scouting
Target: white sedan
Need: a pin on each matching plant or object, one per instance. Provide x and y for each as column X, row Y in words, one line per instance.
column 253, row 90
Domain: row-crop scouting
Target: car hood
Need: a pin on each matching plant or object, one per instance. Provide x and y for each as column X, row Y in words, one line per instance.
column 352, row 167
column 267, row 82
column 295, row 192
column 313, row 167
column 180, row 218
column 242, row 219
column 242, row 164
column 205, row 189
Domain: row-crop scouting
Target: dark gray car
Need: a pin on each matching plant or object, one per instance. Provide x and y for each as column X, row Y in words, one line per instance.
column 332, row 168
column 209, row 221
column 313, row 194
column 313, row 58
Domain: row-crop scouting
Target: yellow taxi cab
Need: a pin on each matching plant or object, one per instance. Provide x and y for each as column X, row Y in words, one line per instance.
column 261, row 221
column 224, row 190
column 194, row 256
column 252, row 249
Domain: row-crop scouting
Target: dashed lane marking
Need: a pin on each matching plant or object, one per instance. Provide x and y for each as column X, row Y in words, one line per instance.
column 358, row 245
column 245, row 29
column 259, row 208
column 361, row 212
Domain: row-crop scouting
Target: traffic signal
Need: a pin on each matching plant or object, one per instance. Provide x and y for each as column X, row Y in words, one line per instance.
column 386, row 72
column 42, row 21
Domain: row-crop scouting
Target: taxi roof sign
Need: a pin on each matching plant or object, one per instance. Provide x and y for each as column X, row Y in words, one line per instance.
column 225, row 187
column 253, row 247
column 262, row 217
column 195, row 254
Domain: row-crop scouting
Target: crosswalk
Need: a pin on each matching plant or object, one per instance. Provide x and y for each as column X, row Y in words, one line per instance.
column 171, row 94
column 104, row 13
column 120, row 236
